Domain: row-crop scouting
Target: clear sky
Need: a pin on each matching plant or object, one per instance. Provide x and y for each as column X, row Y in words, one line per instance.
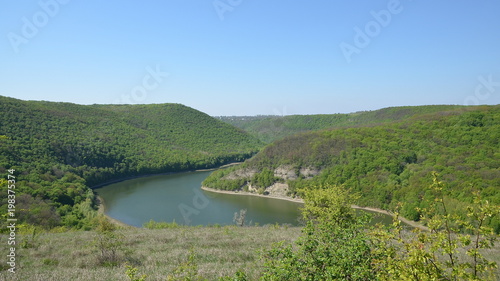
column 249, row 57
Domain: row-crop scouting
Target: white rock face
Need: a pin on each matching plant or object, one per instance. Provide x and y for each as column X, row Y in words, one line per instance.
column 288, row 172
column 309, row 172
column 278, row 189
column 285, row 172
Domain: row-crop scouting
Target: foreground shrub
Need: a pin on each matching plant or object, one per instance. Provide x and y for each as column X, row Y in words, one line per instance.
column 337, row 245
column 333, row 246
column 450, row 250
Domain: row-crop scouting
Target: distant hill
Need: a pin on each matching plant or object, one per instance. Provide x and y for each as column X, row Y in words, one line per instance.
column 60, row 149
column 269, row 128
column 386, row 163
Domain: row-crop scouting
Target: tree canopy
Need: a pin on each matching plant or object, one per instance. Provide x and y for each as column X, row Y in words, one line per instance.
column 269, row 128
column 59, row 150
column 389, row 162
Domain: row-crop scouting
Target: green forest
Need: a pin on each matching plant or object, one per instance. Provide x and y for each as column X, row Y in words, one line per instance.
column 438, row 165
column 390, row 162
column 269, row 128
column 59, row 151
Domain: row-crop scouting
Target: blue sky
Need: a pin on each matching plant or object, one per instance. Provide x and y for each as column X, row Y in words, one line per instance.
column 249, row 57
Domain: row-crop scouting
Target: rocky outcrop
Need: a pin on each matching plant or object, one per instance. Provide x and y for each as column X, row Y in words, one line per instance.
column 309, row 172
column 241, row 174
column 278, row 190
column 286, row 172
column 289, row 172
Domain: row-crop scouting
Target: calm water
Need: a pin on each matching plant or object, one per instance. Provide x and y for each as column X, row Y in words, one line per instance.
column 165, row 198
column 179, row 197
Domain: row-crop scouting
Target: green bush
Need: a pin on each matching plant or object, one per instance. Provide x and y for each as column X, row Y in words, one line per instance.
column 451, row 249
column 337, row 245
column 333, row 245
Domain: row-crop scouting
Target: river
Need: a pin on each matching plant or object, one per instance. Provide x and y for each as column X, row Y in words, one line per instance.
column 178, row 197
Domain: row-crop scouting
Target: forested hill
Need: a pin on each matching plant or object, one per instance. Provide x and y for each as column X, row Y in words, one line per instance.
column 271, row 128
column 385, row 164
column 60, row 149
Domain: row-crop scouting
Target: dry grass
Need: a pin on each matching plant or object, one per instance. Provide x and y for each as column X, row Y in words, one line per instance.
column 219, row 251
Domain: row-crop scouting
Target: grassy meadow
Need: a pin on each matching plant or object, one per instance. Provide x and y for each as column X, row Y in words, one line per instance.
column 159, row 253
column 218, row 251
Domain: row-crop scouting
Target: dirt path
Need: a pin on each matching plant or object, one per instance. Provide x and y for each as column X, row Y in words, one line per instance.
column 407, row 221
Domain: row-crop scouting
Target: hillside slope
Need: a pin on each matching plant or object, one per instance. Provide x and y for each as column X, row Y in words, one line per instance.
column 272, row 128
column 60, row 149
column 385, row 164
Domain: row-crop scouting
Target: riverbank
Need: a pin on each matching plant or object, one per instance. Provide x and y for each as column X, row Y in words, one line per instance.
column 296, row 200
column 102, row 210
column 299, row 200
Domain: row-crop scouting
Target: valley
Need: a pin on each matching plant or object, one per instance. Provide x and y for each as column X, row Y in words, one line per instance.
column 438, row 165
